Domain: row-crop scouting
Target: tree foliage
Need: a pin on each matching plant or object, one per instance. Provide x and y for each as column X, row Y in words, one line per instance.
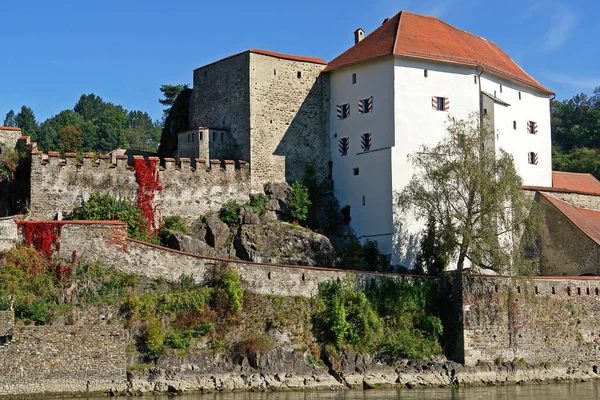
column 299, row 202
column 434, row 250
column 474, row 195
column 10, row 119
column 170, row 93
column 25, row 120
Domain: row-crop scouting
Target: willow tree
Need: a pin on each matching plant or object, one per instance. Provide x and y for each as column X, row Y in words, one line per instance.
column 473, row 193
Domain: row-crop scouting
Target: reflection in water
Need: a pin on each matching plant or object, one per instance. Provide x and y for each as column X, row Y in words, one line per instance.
column 571, row 391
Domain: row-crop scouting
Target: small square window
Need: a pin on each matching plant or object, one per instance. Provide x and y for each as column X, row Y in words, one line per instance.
column 519, row 95
column 365, row 105
column 353, row 79
column 201, row 136
column 532, row 158
column 364, row 201
column 494, row 93
column 343, row 111
column 355, row 171
column 500, row 88
column 344, row 146
column 274, row 72
column 440, row 103
column 366, row 141
column 532, row 127
column 515, row 125
column 299, row 74
column 485, row 111
column 425, row 73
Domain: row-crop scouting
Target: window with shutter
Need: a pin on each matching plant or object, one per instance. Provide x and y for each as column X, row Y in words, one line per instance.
column 365, row 105
column 366, row 141
column 344, row 146
column 343, row 111
column 440, row 103
column 532, row 158
column 532, row 127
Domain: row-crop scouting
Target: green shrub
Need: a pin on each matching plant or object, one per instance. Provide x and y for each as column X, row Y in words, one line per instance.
column 155, row 339
column 299, row 202
column 104, row 207
column 258, row 203
column 230, row 213
column 163, row 304
column 345, row 317
column 232, row 284
column 172, row 223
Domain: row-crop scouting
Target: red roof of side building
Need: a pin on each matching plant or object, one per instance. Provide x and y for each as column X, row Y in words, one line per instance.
column 588, row 221
column 313, row 60
column 571, row 182
column 9, row 128
column 420, row 36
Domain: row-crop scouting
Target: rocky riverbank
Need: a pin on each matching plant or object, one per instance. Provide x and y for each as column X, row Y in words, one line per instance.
column 356, row 372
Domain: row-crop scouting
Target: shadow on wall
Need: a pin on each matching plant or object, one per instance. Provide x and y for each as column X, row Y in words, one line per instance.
column 305, row 142
column 177, row 121
column 405, row 244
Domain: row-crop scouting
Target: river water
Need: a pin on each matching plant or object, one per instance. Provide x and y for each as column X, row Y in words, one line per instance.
column 555, row 391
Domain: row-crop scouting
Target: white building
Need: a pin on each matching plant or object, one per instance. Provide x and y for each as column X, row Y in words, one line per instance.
column 393, row 91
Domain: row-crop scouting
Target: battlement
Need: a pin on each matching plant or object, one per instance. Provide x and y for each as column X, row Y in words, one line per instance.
column 52, row 158
column 60, row 184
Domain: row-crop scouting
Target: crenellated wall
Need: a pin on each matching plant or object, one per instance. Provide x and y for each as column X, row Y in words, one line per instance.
column 539, row 320
column 59, row 185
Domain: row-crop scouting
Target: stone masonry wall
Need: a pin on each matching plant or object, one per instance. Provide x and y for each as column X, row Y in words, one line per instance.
column 579, row 200
column 565, row 249
column 7, row 321
column 8, row 232
column 541, row 320
column 288, row 120
column 61, row 185
column 9, row 137
column 106, row 244
column 220, row 100
column 63, row 359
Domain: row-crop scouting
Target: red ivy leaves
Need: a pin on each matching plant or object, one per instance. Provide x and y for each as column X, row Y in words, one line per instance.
column 42, row 236
column 148, row 184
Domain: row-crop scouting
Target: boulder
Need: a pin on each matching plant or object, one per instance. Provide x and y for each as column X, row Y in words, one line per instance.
column 217, row 232
column 249, row 217
column 187, row 242
column 279, row 193
column 283, row 243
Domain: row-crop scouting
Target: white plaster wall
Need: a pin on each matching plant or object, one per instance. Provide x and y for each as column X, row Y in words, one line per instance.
column 373, row 220
column 416, row 124
column 533, row 106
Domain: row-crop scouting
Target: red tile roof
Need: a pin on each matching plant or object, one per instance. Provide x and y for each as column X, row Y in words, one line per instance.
column 571, row 182
column 272, row 54
column 9, row 128
column 420, row 36
column 586, row 220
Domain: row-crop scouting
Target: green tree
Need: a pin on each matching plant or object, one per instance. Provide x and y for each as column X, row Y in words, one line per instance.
column 25, row 120
column 433, row 256
column 474, row 194
column 89, row 106
column 141, row 132
column 10, row 119
column 71, row 138
column 170, row 93
column 299, row 202
column 48, row 134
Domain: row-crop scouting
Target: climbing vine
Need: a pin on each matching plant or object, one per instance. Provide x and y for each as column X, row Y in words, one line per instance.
column 148, row 184
column 42, row 236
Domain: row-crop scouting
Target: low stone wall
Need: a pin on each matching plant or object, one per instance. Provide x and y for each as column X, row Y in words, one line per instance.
column 106, row 243
column 541, row 320
column 63, row 359
column 8, row 232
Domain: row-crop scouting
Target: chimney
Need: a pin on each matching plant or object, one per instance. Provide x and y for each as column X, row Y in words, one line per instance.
column 359, row 35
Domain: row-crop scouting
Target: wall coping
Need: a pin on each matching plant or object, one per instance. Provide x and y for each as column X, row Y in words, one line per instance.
column 310, row 267
column 72, row 222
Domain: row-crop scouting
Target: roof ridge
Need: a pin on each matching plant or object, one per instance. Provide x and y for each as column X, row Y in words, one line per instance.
column 397, row 31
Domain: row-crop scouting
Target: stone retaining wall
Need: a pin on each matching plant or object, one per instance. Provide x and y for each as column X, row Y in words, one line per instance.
column 8, row 232
column 63, row 359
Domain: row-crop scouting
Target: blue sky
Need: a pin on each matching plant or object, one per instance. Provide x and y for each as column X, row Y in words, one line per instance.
column 123, row 50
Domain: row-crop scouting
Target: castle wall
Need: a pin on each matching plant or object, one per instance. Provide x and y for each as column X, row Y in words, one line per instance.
column 566, row 249
column 58, row 186
column 8, row 232
column 105, row 243
column 541, row 320
column 288, row 119
column 9, row 137
column 63, row 359
column 579, row 200
column 220, row 100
